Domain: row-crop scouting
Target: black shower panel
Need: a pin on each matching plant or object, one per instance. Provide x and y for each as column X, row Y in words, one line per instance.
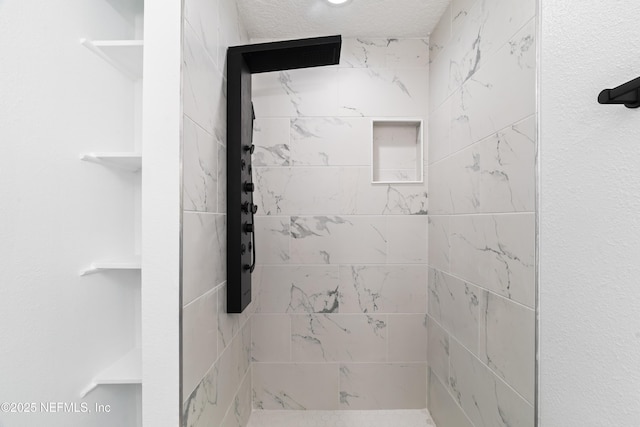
column 242, row 61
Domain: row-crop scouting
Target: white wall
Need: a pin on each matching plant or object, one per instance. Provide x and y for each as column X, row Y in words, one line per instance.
column 589, row 227
column 161, row 216
column 58, row 214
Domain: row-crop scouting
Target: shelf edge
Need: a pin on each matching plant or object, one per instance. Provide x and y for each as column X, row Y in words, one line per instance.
column 109, row 376
column 95, row 47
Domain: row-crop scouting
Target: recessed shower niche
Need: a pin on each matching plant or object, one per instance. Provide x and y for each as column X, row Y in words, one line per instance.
column 396, row 151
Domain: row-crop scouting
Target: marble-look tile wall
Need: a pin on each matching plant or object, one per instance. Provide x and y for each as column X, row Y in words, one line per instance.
column 340, row 320
column 482, row 153
column 216, row 346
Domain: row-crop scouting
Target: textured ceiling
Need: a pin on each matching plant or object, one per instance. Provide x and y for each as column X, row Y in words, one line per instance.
column 266, row 19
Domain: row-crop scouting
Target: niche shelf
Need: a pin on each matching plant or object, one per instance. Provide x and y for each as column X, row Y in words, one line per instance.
column 397, row 149
column 132, row 264
column 125, row 55
column 126, row 370
column 129, row 161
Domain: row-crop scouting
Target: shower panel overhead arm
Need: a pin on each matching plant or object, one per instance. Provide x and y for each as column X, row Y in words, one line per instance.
column 627, row 94
column 242, row 61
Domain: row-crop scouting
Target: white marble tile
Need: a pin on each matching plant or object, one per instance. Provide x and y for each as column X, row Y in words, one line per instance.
column 298, row 289
column 199, row 339
column 293, row 93
column 379, row 52
column 361, row 197
column 407, row 239
column 502, row 92
column 228, row 323
column 464, row 172
column 440, row 197
column 202, row 16
column 231, row 30
column 272, row 239
column 397, row 175
column 222, row 179
column 407, row 335
column 439, row 78
column 485, row 398
column 338, row 239
column 459, row 12
column 204, row 253
column 206, row 405
column 438, row 350
column 343, row 190
column 488, row 26
column 271, row 340
column 338, row 338
column 383, row 288
column 507, row 343
column 200, row 169
column 295, row 386
column 240, row 354
column 438, row 143
column 330, row 141
column 363, row 52
column 382, row 386
column 455, row 305
column 438, row 242
column 380, row 418
column 383, row 92
column 239, row 413
column 496, row 174
column 440, row 35
column 507, row 169
column 272, row 141
column 408, row 53
column 244, row 354
column 496, row 252
column 298, row 191
column 204, row 88
column 215, row 394
column 443, row 407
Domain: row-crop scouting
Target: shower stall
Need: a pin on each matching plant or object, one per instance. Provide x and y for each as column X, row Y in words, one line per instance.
column 403, row 249
column 394, row 231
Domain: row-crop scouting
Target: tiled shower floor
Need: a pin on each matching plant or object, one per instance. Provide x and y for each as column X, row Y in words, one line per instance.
column 394, row 418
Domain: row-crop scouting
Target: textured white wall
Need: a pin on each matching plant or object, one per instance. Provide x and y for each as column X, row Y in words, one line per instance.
column 308, row 18
column 589, row 226
column 58, row 214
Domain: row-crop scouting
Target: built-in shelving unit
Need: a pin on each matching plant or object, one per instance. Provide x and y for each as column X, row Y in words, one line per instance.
column 129, row 161
column 126, row 370
column 132, row 264
column 125, row 55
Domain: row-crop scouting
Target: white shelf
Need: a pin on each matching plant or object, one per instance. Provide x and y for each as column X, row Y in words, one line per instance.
column 129, row 161
column 127, row 370
column 125, row 55
column 125, row 264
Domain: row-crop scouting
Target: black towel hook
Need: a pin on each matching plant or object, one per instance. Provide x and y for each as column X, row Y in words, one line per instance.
column 627, row 94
